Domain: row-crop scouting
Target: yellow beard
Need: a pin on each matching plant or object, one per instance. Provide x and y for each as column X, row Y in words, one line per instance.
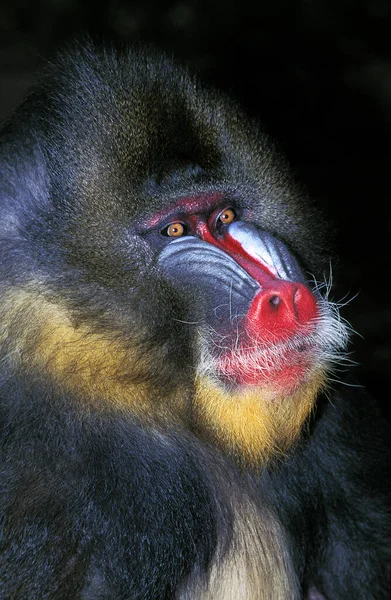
column 252, row 423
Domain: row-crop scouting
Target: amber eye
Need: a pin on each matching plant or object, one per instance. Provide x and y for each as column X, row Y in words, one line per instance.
column 227, row 216
column 174, row 230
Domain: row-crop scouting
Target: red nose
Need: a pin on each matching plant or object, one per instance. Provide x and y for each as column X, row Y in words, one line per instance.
column 280, row 310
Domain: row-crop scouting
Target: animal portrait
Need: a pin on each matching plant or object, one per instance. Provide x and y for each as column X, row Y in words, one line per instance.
column 174, row 420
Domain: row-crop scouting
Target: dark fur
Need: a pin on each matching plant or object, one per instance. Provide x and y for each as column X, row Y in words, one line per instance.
column 97, row 502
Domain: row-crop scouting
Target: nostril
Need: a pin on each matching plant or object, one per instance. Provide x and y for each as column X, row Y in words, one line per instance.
column 275, row 300
column 280, row 310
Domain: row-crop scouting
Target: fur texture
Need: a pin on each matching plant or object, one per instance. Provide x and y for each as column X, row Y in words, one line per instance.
column 128, row 469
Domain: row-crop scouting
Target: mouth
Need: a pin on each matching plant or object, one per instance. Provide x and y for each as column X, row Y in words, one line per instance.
column 282, row 367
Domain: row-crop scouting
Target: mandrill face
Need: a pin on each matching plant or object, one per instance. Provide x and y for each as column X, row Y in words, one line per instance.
column 263, row 323
column 250, row 290
column 265, row 337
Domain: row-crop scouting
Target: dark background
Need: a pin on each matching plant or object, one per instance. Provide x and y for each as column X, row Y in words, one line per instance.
column 318, row 75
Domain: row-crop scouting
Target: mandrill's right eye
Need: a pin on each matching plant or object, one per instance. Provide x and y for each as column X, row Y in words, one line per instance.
column 174, row 230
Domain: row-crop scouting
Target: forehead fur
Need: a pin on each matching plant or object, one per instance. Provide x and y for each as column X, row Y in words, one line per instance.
column 119, row 134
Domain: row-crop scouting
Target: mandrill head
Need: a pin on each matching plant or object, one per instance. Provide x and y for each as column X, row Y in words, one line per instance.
column 160, row 263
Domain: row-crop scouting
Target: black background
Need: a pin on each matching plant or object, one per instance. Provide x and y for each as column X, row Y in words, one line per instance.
column 317, row 73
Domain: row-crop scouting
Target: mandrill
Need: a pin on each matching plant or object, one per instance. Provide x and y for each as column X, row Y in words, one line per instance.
column 168, row 431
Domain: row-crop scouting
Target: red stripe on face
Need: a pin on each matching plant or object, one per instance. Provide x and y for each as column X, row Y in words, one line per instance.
column 228, row 244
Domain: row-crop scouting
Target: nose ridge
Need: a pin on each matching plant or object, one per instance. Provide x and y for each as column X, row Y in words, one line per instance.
column 280, row 309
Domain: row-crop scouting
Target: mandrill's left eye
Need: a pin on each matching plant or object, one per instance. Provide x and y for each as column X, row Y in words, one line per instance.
column 174, row 230
column 226, row 216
